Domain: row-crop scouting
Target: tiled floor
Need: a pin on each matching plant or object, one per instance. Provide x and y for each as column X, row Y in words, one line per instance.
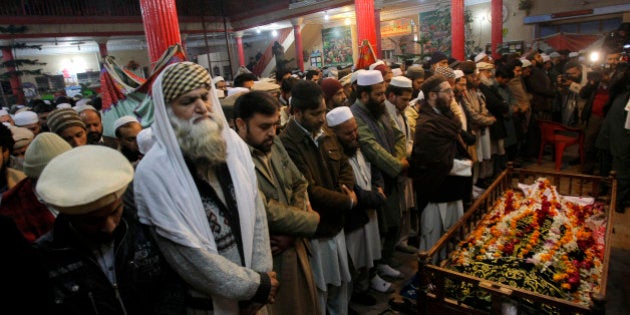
column 618, row 288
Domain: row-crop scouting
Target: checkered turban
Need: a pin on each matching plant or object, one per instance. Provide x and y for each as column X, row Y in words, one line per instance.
column 183, row 78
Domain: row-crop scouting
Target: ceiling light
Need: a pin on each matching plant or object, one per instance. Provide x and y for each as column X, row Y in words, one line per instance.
column 326, row 16
column 258, row 30
column 347, row 21
column 274, row 33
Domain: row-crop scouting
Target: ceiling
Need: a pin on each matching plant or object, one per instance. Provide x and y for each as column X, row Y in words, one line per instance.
column 250, row 17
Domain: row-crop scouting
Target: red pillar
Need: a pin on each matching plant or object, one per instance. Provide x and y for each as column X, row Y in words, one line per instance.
column 297, row 33
column 457, row 30
column 377, row 28
column 102, row 49
column 497, row 27
column 161, row 26
column 239, row 48
column 7, row 55
column 366, row 28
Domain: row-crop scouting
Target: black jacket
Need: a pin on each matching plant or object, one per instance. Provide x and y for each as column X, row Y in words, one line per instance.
column 145, row 284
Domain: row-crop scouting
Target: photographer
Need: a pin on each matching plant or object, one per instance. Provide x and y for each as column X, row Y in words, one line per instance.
column 596, row 93
column 568, row 102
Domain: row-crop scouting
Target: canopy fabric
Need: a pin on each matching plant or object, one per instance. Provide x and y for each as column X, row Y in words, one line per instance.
column 569, row 41
column 123, row 93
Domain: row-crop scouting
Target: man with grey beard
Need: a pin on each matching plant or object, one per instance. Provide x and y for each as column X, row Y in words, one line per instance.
column 185, row 189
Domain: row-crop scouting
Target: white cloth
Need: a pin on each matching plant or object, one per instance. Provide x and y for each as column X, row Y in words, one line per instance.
column 364, row 244
column 329, row 261
column 484, row 149
column 167, row 196
column 436, row 219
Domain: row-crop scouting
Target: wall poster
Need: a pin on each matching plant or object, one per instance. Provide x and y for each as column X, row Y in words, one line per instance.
column 337, row 42
column 435, row 30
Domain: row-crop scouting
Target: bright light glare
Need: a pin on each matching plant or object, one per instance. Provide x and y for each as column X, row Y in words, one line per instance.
column 347, row 21
column 594, row 57
column 258, row 30
column 326, row 16
column 274, row 33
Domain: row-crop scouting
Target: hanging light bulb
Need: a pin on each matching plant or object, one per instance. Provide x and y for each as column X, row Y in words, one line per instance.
column 274, row 33
column 326, row 17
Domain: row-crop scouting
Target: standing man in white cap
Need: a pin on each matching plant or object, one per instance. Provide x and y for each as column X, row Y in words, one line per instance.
column 398, row 95
column 29, row 120
column 361, row 224
column 186, row 190
column 9, row 177
column 126, row 129
column 99, row 259
column 284, row 190
column 91, row 117
column 319, row 156
column 384, row 146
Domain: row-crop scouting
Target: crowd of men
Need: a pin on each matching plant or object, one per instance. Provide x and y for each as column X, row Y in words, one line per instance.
column 285, row 197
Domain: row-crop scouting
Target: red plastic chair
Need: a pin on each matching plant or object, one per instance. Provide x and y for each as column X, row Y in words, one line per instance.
column 561, row 136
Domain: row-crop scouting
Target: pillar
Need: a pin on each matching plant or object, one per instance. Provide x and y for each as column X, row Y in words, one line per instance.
column 366, row 28
column 239, row 48
column 102, row 46
column 497, row 27
column 297, row 34
column 161, row 26
column 377, row 29
column 7, row 55
column 457, row 30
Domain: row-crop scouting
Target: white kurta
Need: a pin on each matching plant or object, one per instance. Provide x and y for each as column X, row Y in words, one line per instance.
column 437, row 218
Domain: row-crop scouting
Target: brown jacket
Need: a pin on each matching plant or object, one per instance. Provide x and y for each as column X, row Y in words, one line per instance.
column 325, row 168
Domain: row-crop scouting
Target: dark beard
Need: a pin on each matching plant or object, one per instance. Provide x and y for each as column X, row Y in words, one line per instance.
column 350, row 151
column 375, row 108
column 444, row 107
column 93, row 137
column 131, row 156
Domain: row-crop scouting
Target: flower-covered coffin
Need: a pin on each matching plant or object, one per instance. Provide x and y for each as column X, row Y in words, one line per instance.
column 537, row 240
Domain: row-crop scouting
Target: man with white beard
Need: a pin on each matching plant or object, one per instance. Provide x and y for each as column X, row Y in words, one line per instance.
column 186, row 188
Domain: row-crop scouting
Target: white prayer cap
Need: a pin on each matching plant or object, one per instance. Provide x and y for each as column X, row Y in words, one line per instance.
column 401, row 81
column 265, row 86
column 72, row 185
column 458, row 74
column 374, row 65
column 485, row 66
column 123, row 121
column 81, row 108
column 217, row 79
column 369, row 77
column 397, row 72
column 338, row 116
column 21, row 137
column 64, row 105
column 480, row 56
column 545, row 57
column 235, row 90
column 82, row 102
column 355, row 75
column 25, row 118
column 526, row 63
column 573, row 54
column 3, row 112
column 554, row 54
column 145, row 140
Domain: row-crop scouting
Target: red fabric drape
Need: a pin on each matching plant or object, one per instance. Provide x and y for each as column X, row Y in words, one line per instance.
column 571, row 42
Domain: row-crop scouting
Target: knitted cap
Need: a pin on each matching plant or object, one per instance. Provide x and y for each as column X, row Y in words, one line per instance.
column 437, row 57
column 60, row 119
column 330, row 86
column 72, row 185
column 182, row 78
column 44, row 148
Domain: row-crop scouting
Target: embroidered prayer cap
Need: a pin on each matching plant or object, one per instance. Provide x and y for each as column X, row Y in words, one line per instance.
column 63, row 106
column 81, row 108
column 369, row 77
column 330, row 86
column 376, row 64
column 338, row 116
column 21, row 137
column 401, row 82
column 182, row 78
column 480, row 56
column 458, row 74
column 415, row 71
column 25, row 118
column 60, row 119
column 145, row 140
column 265, row 86
column 72, row 185
column 44, row 148
column 397, row 72
column 526, row 63
column 123, row 121
column 217, row 79
column 485, row 66
column 445, row 72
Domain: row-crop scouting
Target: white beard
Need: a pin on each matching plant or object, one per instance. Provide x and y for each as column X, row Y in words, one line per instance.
column 202, row 141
